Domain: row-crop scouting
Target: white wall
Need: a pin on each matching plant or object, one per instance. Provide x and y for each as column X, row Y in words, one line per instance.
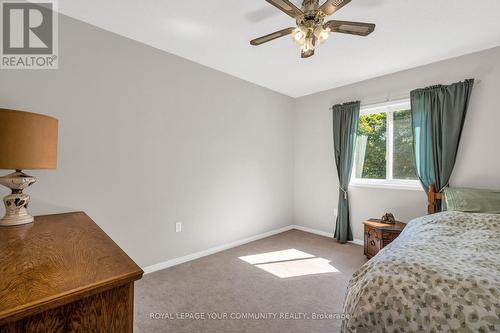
column 148, row 139
column 478, row 161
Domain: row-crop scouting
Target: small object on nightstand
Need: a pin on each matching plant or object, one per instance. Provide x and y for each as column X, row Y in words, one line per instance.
column 379, row 234
column 388, row 218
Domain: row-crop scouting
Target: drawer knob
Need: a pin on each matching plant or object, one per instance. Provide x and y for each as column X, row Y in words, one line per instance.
column 372, row 243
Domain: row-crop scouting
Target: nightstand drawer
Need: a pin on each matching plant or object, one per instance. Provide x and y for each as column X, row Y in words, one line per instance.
column 379, row 235
column 389, row 236
column 372, row 241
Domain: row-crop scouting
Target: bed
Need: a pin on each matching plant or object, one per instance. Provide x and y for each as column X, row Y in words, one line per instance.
column 442, row 274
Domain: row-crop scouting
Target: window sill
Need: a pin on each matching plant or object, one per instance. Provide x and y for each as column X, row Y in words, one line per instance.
column 391, row 185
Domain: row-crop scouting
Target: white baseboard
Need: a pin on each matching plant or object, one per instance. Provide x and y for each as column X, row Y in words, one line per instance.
column 313, row 231
column 358, row 241
column 207, row 252
column 212, row 250
column 324, row 233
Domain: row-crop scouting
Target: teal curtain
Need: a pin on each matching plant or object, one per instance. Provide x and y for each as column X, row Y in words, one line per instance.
column 438, row 115
column 345, row 127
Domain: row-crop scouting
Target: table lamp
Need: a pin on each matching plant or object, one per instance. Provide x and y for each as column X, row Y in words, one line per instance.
column 27, row 141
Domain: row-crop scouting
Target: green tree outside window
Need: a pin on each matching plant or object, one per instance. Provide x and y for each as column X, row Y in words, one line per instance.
column 371, row 150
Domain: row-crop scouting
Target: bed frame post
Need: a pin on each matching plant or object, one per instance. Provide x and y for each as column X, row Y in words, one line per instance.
column 432, row 196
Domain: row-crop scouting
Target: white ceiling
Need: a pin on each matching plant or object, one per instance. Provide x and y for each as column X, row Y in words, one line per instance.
column 216, row 33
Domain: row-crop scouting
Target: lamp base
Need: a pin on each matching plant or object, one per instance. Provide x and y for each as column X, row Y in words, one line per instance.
column 16, row 203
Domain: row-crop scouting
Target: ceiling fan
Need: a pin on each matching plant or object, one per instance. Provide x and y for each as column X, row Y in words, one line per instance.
column 311, row 28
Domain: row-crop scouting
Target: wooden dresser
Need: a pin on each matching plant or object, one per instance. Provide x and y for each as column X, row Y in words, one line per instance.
column 62, row 273
column 378, row 235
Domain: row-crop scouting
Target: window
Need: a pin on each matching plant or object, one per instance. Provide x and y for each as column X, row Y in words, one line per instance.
column 384, row 144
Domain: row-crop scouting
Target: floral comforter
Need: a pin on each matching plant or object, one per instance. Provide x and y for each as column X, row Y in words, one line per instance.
column 442, row 274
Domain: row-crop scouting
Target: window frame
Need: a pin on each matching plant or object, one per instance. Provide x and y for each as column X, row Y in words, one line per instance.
column 402, row 184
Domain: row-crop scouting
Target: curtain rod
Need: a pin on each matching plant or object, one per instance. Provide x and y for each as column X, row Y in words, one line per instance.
column 394, row 98
column 383, row 100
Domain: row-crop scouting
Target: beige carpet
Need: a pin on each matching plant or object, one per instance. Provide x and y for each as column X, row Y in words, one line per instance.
column 297, row 276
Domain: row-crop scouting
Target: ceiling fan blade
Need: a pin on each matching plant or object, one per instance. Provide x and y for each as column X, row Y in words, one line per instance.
column 287, row 7
column 331, row 6
column 271, row 36
column 347, row 27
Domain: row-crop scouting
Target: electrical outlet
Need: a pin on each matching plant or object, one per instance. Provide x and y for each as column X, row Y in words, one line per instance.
column 178, row 226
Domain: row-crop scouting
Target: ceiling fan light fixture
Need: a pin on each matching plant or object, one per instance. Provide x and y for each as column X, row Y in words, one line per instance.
column 308, row 44
column 306, row 52
column 299, row 36
column 311, row 29
column 321, row 34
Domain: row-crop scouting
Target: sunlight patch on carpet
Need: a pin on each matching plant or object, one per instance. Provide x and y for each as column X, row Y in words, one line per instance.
column 290, row 263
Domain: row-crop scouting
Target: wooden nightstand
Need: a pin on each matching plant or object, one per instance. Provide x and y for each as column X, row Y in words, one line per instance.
column 378, row 235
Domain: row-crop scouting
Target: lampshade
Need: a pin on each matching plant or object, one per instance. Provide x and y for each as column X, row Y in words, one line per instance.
column 27, row 140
